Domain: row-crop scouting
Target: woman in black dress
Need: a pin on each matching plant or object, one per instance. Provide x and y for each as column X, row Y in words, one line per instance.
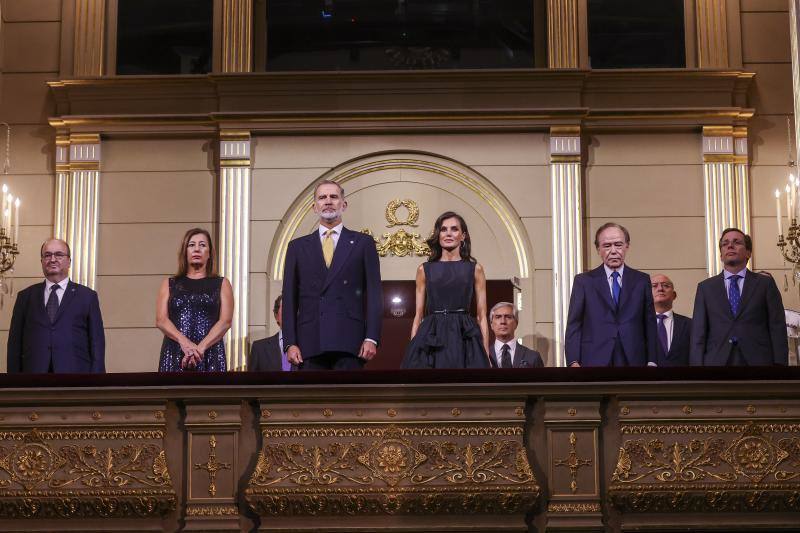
column 194, row 309
column 447, row 336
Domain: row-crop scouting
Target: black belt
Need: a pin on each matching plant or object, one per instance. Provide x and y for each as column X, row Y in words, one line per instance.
column 449, row 311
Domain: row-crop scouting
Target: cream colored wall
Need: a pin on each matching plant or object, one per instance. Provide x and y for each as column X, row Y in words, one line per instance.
column 653, row 185
column 152, row 192
column 30, row 46
column 766, row 51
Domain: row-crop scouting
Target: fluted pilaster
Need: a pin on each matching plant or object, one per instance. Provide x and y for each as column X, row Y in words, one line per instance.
column 234, row 237
column 567, row 209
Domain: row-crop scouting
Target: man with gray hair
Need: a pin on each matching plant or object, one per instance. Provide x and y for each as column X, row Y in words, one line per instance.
column 506, row 352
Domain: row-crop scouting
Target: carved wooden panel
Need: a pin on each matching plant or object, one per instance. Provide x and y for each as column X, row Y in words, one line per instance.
column 450, row 460
column 84, row 463
column 704, row 456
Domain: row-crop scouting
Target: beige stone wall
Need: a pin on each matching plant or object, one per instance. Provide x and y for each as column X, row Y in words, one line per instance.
column 766, row 51
column 653, row 185
column 152, row 191
column 30, row 45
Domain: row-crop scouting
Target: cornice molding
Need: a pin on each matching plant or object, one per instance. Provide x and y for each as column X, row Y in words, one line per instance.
column 510, row 100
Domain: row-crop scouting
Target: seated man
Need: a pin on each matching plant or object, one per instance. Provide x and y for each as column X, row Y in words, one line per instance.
column 267, row 354
column 673, row 330
column 505, row 351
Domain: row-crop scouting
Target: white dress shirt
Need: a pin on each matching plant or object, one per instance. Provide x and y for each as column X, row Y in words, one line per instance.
column 337, row 232
column 610, row 279
column 62, row 287
column 498, row 351
column 740, row 281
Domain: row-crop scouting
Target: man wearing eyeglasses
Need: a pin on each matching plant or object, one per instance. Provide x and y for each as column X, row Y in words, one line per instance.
column 56, row 325
column 673, row 330
column 738, row 317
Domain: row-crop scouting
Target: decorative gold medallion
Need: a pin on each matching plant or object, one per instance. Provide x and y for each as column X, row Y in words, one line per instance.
column 401, row 243
column 212, row 466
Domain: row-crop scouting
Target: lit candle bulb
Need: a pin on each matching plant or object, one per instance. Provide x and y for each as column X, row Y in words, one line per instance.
column 788, row 204
column 778, row 206
column 16, row 221
column 3, row 210
column 10, row 199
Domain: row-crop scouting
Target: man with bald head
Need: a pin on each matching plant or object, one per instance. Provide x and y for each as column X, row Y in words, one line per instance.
column 673, row 330
column 56, row 325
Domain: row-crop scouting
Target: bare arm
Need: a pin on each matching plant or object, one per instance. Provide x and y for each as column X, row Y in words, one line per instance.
column 480, row 301
column 419, row 300
column 221, row 327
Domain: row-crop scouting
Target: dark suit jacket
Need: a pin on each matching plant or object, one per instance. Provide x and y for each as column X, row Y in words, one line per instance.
column 679, row 347
column 265, row 355
column 331, row 310
column 75, row 342
column 593, row 322
column 524, row 357
column 758, row 330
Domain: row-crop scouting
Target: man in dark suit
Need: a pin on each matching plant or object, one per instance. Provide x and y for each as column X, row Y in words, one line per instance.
column 738, row 315
column 332, row 296
column 673, row 330
column 267, row 355
column 56, row 325
column 611, row 320
column 506, row 352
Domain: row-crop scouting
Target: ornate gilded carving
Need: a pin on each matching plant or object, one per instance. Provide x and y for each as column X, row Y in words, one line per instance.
column 391, row 213
column 721, row 467
column 40, row 478
column 573, row 508
column 224, row 509
column 401, row 243
column 573, row 462
column 393, row 470
column 212, row 466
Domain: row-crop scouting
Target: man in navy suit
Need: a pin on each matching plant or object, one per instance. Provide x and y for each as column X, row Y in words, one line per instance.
column 673, row 330
column 611, row 320
column 738, row 315
column 56, row 325
column 332, row 296
column 506, row 352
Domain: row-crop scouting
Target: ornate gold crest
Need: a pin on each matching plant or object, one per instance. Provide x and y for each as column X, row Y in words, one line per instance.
column 401, row 243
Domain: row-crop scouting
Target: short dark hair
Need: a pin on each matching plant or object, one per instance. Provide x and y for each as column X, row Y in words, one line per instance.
column 62, row 241
column 277, row 304
column 607, row 225
column 327, row 182
column 748, row 242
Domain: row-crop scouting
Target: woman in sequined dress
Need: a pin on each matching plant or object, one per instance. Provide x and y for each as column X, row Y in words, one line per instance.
column 194, row 309
column 448, row 336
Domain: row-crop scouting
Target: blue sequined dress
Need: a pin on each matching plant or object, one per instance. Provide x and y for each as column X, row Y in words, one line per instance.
column 448, row 336
column 193, row 307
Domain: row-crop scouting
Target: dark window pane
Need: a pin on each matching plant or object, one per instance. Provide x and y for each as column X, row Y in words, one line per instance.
column 636, row 34
column 164, row 36
column 399, row 34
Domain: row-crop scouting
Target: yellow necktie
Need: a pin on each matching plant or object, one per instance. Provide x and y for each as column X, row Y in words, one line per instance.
column 327, row 247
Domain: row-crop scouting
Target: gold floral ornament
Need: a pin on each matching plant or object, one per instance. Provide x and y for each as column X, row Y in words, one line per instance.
column 401, row 243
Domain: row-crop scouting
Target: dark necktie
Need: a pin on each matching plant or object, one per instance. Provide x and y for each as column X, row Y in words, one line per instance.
column 505, row 357
column 52, row 303
column 615, row 288
column 662, row 332
column 734, row 296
